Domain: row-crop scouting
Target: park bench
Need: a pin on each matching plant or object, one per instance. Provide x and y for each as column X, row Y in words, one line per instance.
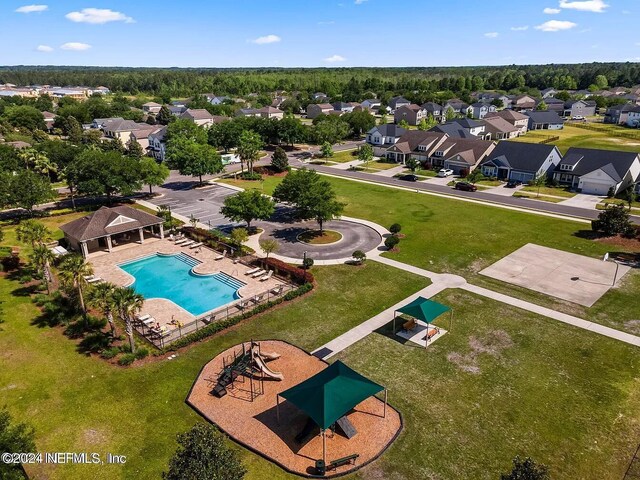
column 342, row 461
column 409, row 325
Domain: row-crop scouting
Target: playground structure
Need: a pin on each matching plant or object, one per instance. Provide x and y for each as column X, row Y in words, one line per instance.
column 251, row 364
column 319, row 421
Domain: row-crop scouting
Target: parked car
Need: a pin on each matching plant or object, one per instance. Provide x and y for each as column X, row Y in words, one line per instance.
column 445, row 172
column 578, row 117
column 465, row 186
column 513, row 183
column 408, row 178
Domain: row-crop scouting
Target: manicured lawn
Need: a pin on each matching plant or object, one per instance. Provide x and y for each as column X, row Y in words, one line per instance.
column 315, row 237
column 266, row 185
column 425, row 173
column 489, row 183
column 535, row 196
column 579, row 137
column 344, row 156
column 78, row 403
column 553, row 191
column 380, row 165
column 502, row 383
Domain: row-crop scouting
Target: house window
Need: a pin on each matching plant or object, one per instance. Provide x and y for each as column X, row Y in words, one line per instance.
column 439, row 153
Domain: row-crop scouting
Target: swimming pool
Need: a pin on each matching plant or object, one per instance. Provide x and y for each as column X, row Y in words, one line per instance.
column 171, row 277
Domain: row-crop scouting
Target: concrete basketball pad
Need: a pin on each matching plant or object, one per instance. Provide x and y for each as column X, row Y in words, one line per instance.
column 564, row 275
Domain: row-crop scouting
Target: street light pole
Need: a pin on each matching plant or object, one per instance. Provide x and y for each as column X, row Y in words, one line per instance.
column 304, row 260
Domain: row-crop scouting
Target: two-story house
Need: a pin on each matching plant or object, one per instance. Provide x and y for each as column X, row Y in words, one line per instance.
column 381, row 137
column 545, row 120
column 315, row 110
column 435, row 110
column 479, row 110
column 517, row 119
column 151, row 107
column 397, row 102
column 413, row 114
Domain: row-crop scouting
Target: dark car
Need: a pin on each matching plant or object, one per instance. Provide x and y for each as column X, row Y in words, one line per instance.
column 408, row 178
column 466, row 186
column 512, row 184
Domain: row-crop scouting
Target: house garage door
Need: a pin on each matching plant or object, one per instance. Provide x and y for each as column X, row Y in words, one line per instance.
column 595, row 188
column 521, row 176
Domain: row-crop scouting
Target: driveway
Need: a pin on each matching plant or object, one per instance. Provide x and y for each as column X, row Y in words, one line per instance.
column 444, row 181
column 502, row 190
column 582, row 200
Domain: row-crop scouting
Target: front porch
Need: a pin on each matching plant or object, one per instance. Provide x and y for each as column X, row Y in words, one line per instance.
column 111, row 243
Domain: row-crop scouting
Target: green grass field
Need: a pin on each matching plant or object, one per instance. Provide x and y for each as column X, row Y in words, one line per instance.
column 344, row 156
column 578, row 137
column 552, row 191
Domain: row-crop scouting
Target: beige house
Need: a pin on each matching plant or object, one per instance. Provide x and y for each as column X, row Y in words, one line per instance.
column 199, row 116
column 151, row 107
column 517, row 119
column 497, row 128
column 271, row 112
column 122, row 129
column 109, row 227
column 316, row 109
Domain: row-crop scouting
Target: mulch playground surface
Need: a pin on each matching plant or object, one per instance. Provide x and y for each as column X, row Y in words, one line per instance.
column 254, row 423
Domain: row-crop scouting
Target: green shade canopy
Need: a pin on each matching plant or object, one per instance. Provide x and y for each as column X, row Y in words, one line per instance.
column 424, row 309
column 331, row 393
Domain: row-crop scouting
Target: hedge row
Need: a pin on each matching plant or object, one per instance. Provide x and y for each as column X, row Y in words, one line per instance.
column 216, row 327
column 212, row 239
column 297, row 274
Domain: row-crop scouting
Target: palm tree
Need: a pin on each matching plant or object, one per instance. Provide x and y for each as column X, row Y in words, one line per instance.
column 127, row 302
column 101, row 296
column 73, row 273
column 33, row 232
column 42, row 258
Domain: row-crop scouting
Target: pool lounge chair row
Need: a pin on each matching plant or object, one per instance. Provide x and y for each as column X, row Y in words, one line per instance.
column 92, row 279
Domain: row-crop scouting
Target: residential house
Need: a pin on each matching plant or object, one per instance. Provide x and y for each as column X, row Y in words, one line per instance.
column 397, row 102
column 278, row 101
column 415, row 144
column 199, row 116
column 271, row 112
column 618, row 90
column 413, row 114
column 517, row 119
column 521, row 103
column 544, row 120
column 215, row 99
column 75, row 93
column 151, row 107
column 371, row 103
column 453, row 129
column 618, row 114
column 122, row 129
column 633, row 117
column 503, row 101
column 344, row 107
column 598, row 172
column 49, row 119
column 320, row 96
column 434, row 110
column 553, row 105
column 141, row 135
column 101, row 122
column 381, row 137
column 98, row 91
column 177, row 110
column 247, row 112
column 632, row 98
column 460, row 155
column 519, row 161
column 548, row 93
column 479, row 110
column 315, row 110
column 458, row 106
column 497, row 128
column 156, row 143
column 583, row 108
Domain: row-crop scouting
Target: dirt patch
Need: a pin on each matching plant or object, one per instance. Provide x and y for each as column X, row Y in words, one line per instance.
column 632, row 326
column 491, row 344
column 630, row 243
column 93, row 437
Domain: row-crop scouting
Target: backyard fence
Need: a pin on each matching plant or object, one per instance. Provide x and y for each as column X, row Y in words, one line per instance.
column 549, row 139
column 612, row 131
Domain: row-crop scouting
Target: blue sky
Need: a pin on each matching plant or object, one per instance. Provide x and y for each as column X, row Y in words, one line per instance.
column 288, row 33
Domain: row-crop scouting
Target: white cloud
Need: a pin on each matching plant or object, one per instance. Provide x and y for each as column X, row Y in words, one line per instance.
column 44, row 48
column 520, row 29
column 32, row 8
column 76, row 46
column 359, row 2
column 596, row 6
column 98, row 16
column 551, row 11
column 266, row 39
column 335, row 58
column 491, row 34
column 556, row 26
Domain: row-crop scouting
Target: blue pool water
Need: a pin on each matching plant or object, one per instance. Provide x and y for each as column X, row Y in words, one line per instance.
column 170, row 277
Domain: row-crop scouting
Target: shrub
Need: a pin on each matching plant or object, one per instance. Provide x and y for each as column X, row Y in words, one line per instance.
column 126, row 359
column 10, row 262
column 279, row 160
column 359, row 256
column 307, row 263
column 526, row 469
column 395, row 228
column 250, row 176
column 141, row 353
column 110, row 353
column 391, row 242
column 464, row 172
column 292, row 272
column 614, row 220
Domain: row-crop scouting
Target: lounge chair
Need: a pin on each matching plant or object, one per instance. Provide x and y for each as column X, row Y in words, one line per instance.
column 187, row 243
column 94, row 280
column 242, row 304
column 196, row 245
column 259, row 273
column 258, row 298
column 149, row 322
column 220, row 257
column 88, row 277
column 277, row 290
column 252, row 271
column 141, row 318
column 209, row 318
column 267, row 276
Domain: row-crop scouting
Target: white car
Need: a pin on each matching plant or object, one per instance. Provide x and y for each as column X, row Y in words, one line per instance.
column 577, row 117
column 445, row 172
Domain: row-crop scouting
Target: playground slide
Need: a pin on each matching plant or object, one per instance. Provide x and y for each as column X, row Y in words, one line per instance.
column 262, row 366
column 268, row 356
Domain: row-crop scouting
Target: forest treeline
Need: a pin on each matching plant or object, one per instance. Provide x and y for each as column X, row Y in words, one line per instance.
column 350, row 84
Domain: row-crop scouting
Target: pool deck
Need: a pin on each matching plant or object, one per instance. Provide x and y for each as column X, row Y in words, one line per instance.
column 105, row 266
